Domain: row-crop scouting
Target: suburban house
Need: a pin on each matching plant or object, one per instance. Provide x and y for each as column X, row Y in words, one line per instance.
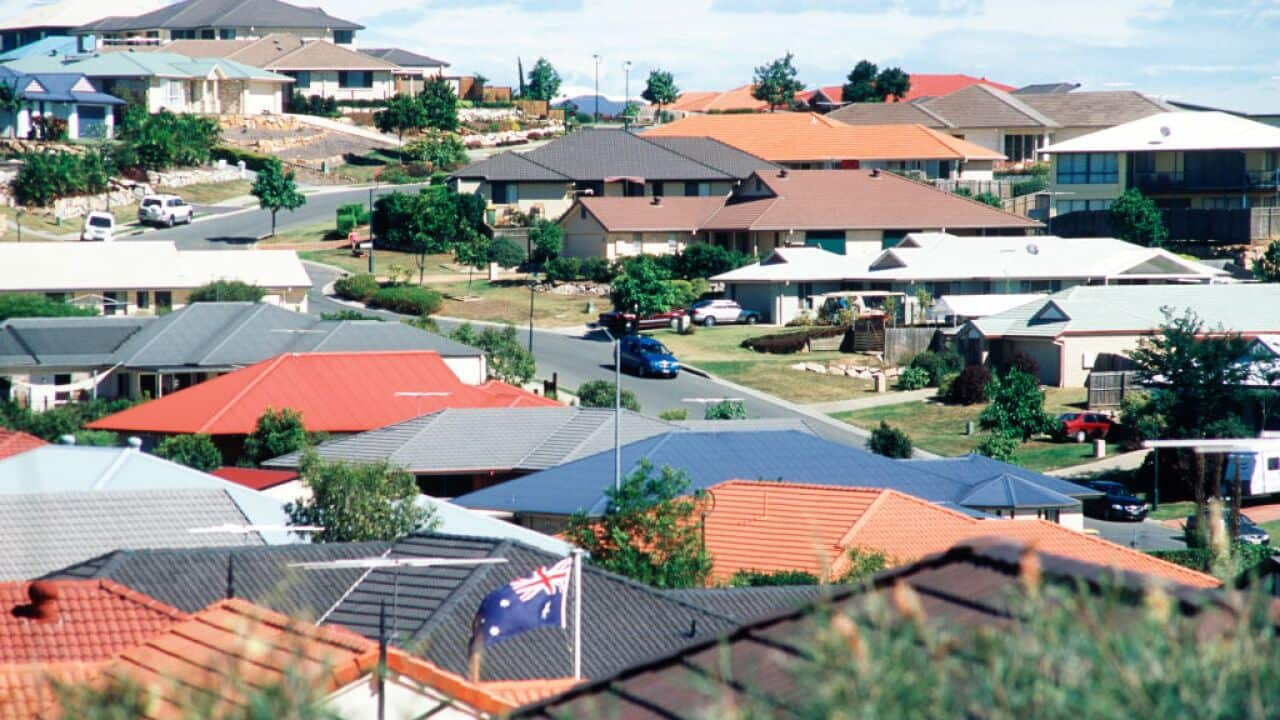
column 603, row 163
column 335, row 392
column 923, row 85
column 70, row 97
column 317, row 67
column 126, row 278
column 1215, row 175
column 740, row 100
column 57, row 19
column 544, row 500
column 785, row 282
column 846, row 212
column 412, row 69
column 806, row 141
column 48, row 361
column 1080, row 329
column 220, row 20
column 167, row 81
column 1018, row 125
column 752, row 526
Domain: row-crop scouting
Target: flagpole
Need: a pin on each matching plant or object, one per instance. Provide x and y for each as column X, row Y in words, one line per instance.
column 577, row 613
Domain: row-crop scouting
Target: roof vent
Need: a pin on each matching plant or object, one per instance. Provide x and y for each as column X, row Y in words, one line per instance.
column 875, row 172
column 782, row 173
column 43, row 607
column 657, row 200
column 1165, row 131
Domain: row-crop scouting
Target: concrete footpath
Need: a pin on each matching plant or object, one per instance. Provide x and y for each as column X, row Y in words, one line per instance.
column 871, row 401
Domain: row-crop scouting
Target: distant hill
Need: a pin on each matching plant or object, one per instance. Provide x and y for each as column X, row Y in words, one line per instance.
column 587, row 104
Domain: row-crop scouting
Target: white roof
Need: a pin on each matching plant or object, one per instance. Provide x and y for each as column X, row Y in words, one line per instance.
column 800, row 264
column 72, row 13
column 140, row 265
column 1177, row 131
column 976, row 306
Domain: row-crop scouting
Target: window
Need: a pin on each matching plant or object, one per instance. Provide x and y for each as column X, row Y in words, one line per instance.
column 632, row 189
column 637, row 242
column 1020, row 148
column 1088, row 169
column 355, row 79
column 301, row 79
column 164, row 300
column 1070, row 206
column 227, row 34
column 174, row 93
column 183, row 34
column 208, row 34
column 658, row 190
column 672, row 242
column 144, row 299
column 115, row 302
column 504, row 193
column 1050, row 514
column 343, row 37
column 1273, row 463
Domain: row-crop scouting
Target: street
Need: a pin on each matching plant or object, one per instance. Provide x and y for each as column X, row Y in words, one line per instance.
column 1145, row 535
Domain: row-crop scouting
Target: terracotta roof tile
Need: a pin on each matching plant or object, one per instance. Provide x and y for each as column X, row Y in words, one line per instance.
column 27, row 690
column 13, row 442
column 523, row 692
column 925, row 85
column 335, row 392
column 737, row 99
column 792, row 526
column 673, row 214
column 94, row 619
column 255, row 478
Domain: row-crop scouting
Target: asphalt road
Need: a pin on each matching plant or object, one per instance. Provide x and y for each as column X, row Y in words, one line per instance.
column 1146, row 535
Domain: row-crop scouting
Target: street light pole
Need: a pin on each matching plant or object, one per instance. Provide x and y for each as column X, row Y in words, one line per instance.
column 626, row 95
column 596, row 57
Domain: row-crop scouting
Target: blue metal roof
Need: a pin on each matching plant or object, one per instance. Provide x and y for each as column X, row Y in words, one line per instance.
column 1007, row 490
column 52, row 45
column 973, row 470
column 58, row 87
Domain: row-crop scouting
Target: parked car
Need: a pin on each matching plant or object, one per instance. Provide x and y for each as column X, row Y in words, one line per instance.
column 167, row 210
column 646, row 356
column 619, row 323
column 1115, row 503
column 99, row 226
column 1248, row 532
column 712, row 312
column 1084, row 426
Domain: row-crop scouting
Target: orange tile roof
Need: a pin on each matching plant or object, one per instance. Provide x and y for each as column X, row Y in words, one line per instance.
column 13, row 442
column 26, row 691
column 791, row 526
column 335, row 392
column 82, row 620
column 255, row 478
column 810, row 137
column 523, row 692
column 737, row 99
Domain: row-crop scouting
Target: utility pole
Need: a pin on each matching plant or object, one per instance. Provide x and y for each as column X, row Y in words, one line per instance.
column 626, row 96
column 596, row 57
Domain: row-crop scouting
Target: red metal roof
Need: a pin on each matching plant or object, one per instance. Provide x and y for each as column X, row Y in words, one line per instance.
column 335, row 392
column 934, row 85
column 255, row 478
column 13, row 442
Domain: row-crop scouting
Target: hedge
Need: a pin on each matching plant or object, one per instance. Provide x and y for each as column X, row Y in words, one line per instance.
column 1248, row 558
column 357, row 287
column 407, row 300
column 252, row 160
column 792, row 341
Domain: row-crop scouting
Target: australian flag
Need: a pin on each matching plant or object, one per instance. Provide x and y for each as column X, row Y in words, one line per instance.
column 528, row 603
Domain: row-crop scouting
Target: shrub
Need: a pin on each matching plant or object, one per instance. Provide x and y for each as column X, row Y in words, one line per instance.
column 441, row 150
column 791, row 341
column 969, row 387
column 726, row 410
column 194, row 451
column 348, row 315
column 395, row 175
column 252, row 160
column 598, row 270
column 758, row 578
column 227, row 291
column 938, row 364
column 27, row 305
column 48, row 128
column 359, row 287
column 913, row 378
column 1017, row 407
column 998, row 446
column 685, row 293
column 1023, row 362
column 889, row 441
column 407, row 300
column 600, row 393
column 563, row 269
column 45, row 177
column 163, row 140
column 507, row 253
column 351, row 215
column 674, row 415
column 1026, row 187
column 547, row 240
column 802, row 319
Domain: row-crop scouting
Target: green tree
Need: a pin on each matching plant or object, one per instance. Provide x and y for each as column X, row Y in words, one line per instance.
column 998, row 446
column 227, row 291
column 278, row 432
column 758, row 578
column 987, row 198
column 547, row 240
column 195, row 451
column 1017, row 406
column 725, row 410
column 1266, row 267
column 643, row 287
column 359, row 502
column 660, row 89
column 649, row 532
column 776, row 84
column 544, row 81
column 345, row 314
column 601, row 393
column 889, row 441
column 27, row 305
column 472, row 251
column 892, row 83
column 705, row 260
column 505, row 252
column 509, row 361
column 439, row 104
column 10, row 104
column 403, row 112
column 1136, row 219
column 860, row 86
column 276, row 190
column 443, row 150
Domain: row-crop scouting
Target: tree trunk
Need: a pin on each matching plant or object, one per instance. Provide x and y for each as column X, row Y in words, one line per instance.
column 422, row 266
column 470, row 271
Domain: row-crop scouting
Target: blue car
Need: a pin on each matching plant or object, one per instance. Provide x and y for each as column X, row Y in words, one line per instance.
column 646, row 356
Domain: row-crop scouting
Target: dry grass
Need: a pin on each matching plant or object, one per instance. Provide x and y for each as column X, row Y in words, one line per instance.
column 211, row 193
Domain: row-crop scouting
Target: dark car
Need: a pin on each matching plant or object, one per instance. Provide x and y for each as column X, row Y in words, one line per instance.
column 646, row 356
column 1084, row 426
column 1248, row 532
column 620, row 323
column 1115, row 503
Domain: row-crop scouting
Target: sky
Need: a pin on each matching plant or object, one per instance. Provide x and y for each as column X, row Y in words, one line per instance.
column 1214, row 53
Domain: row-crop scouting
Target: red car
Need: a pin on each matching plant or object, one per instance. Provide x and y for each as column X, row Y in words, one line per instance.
column 617, row 322
column 1084, row 426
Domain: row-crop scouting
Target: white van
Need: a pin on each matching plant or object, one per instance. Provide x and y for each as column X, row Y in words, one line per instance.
column 1259, row 470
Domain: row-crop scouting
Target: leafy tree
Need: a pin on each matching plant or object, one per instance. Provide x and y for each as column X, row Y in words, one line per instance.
column 660, row 89
column 726, row 410
column 1267, row 265
column 472, row 251
column 987, row 198
column 998, row 446
column 642, row 287
column 227, row 291
column 65, row 419
column 705, row 260
column 277, row 433
column 757, row 578
column 1017, row 406
column 970, row 386
column 506, row 252
column 276, row 190
column 10, row 104
column 439, row 104
column 889, row 441
column 346, row 314
column 47, row 176
column 1136, row 219
column 649, row 532
column 600, row 394
column 27, row 305
column 509, row 361
column 195, row 451
column 892, row 83
column 359, row 502
column 544, row 81
column 863, row 564
column 403, row 112
column 158, row 141
column 547, row 240
column 860, row 86
column 430, row 222
column 443, row 150
column 776, row 84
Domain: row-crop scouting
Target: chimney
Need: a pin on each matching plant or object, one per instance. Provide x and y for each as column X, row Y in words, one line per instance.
column 657, row 200
column 43, row 607
column 782, row 173
column 875, row 172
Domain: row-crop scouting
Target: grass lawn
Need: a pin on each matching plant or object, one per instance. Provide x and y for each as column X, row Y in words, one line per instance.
column 211, row 193
column 940, row 429
column 71, row 226
column 365, row 167
column 507, row 301
column 718, row 351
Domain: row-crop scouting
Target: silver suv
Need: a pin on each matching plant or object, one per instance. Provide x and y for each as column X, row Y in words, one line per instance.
column 167, row 210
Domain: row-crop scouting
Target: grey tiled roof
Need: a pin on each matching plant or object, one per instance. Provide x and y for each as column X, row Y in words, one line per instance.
column 745, row 604
column 65, row 342
column 43, row 532
column 511, row 166
column 623, row 622
column 403, row 58
column 709, row 151
column 191, row 579
column 1095, row 109
column 192, row 14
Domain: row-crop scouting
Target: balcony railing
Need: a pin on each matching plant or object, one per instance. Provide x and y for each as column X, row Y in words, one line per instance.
column 1174, row 180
